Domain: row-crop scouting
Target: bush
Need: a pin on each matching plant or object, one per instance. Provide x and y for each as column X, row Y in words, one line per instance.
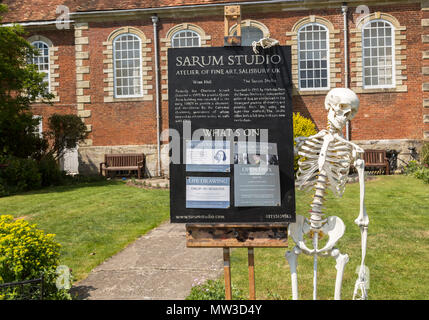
column 424, row 154
column 65, row 131
column 302, row 127
column 213, row 290
column 50, row 172
column 423, row 174
column 411, row 167
column 27, row 253
column 20, row 175
column 419, row 171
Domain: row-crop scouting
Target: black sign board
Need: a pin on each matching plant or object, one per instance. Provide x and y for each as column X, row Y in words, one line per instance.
column 230, row 119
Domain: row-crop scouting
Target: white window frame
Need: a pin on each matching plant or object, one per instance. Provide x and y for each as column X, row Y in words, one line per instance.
column 384, row 86
column 49, row 62
column 114, row 67
column 328, row 53
column 177, row 33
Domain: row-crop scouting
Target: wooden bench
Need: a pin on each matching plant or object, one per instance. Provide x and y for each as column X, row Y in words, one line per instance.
column 377, row 159
column 123, row 162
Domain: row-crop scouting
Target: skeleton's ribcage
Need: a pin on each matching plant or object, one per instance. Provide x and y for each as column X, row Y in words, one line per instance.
column 336, row 166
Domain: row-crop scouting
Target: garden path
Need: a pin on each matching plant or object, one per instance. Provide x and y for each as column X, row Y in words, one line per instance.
column 156, row 266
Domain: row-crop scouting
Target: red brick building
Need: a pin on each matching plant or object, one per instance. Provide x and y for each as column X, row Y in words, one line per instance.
column 101, row 63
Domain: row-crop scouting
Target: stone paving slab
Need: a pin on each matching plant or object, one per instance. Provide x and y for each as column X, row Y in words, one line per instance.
column 156, row 266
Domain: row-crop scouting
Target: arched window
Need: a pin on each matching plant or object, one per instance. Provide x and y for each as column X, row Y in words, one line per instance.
column 127, row 66
column 185, row 38
column 250, row 34
column 313, row 57
column 42, row 60
column 378, row 54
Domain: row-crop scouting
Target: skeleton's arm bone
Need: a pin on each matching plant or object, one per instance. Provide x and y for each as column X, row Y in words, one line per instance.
column 362, row 221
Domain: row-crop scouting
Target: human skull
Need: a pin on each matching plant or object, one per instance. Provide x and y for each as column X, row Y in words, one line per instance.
column 342, row 105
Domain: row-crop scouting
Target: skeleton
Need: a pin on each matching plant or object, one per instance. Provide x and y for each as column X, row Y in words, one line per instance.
column 265, row 43
column 327, row 157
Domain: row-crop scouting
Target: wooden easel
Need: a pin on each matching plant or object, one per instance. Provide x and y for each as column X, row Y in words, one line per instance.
column 228, row 236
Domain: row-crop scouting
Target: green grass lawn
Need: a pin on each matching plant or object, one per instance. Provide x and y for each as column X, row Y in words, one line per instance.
column 93, row 221
column 398, row 246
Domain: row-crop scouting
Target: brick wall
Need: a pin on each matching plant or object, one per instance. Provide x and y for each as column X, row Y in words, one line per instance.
column 85, row 80
column 64, row 61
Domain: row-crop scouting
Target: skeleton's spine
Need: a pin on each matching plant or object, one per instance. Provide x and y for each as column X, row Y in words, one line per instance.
column 317, row 216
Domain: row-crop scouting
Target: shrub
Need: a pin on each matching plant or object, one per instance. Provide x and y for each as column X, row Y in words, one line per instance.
column 424, row 154
column 26, row 253
column 65, row 131
column 50, row 172
column 411, row 167
column 302, row 127
column 423, row 174
column 213, row 290
column 419, row 171
column 20, row 175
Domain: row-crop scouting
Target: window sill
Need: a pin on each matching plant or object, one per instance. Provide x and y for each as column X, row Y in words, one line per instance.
column 41, row 101
column 380, row 90
column 310, row 92
column 111, row 99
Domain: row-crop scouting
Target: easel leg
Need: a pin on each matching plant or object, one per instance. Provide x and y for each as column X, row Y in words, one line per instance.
column 251, row 258
column 227, row 274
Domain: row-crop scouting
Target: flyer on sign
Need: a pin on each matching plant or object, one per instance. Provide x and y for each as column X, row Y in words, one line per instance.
column 256, row 175
column 208, row 156
column 207, row 192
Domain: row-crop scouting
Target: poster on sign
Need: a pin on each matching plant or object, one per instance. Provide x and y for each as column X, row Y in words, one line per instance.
column 232, row 111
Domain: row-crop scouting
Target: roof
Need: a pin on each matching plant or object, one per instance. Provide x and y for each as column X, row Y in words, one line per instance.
column 43, row 10
column 34, row 10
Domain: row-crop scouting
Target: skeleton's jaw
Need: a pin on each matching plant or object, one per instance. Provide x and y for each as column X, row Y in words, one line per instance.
column 335, row 123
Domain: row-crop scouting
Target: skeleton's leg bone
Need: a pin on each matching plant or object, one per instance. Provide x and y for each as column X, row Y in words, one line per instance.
column 292, row 258
column 342, row 260
column 315, row 246
column 362, row 279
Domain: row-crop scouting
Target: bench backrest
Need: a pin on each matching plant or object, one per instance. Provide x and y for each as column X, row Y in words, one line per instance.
column 375, row 156
column 123, row 159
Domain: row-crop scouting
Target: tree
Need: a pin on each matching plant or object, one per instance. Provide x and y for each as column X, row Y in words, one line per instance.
column 65, row 132
column 21, row 84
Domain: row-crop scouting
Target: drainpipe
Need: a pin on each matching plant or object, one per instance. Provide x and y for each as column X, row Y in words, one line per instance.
column 344, row 9
column 155, row 40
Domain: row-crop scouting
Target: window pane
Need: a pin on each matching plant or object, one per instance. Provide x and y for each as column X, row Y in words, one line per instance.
column 185, row 38
column 250, row 34
column 377, row 59
column 313, row 55
column 42, row 60
column 127, row 53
